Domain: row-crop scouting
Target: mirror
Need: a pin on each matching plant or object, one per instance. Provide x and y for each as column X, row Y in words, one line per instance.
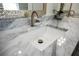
column 23, row 6
column 22, row 9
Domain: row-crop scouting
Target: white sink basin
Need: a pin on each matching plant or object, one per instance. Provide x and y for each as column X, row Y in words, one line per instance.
column 46, row 37
column 47, row 34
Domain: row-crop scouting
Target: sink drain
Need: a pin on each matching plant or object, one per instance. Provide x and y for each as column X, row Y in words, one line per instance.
column 40, row 41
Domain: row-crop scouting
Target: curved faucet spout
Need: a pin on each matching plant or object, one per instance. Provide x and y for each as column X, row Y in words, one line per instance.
column 34, row 17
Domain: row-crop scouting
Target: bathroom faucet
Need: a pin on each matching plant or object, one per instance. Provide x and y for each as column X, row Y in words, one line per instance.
column 34, row 17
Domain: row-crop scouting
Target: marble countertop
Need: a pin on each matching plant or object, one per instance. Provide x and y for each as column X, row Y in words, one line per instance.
column 71, row 36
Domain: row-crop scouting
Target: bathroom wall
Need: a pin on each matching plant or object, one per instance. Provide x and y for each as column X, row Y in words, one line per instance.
column 49, row 10
column 10, row 6
column 1, row 8
column 75, row 6
column 23, row 6
column 15, row 12
column 56, row 6
column 35, row 6
column 66, row 6
column 1, row 5
column 51, row 7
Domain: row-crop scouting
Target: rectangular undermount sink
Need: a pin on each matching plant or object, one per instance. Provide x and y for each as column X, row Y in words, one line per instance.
column 47, row 38
column 37, row 40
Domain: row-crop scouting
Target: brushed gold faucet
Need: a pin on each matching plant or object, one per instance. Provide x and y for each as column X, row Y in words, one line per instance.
column 34, row 17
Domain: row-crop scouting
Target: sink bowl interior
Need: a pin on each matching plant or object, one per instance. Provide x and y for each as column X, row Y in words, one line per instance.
column 47, row 38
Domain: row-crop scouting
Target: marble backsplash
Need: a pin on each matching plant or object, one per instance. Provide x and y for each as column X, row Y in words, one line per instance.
column 18, row 13
column 12, row 13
